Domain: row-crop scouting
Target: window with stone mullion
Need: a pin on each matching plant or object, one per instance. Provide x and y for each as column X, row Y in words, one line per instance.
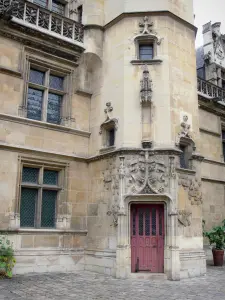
column 45, row 96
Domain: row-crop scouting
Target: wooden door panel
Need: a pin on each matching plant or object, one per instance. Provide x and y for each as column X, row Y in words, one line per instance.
column 147, row 238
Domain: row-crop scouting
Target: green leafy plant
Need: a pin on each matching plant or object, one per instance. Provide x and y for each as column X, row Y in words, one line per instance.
column 216, row 236
column 7, row 259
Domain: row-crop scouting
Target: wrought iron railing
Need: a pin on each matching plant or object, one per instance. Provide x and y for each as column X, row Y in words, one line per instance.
column 43, row 19
column 210, row 90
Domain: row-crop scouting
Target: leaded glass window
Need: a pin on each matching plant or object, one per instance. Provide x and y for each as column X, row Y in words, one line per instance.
column 58, row 7
column 45, row 96
column 39, row 193
column 146, row 51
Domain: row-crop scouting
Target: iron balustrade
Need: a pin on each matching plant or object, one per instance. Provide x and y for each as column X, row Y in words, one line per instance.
column 43, row 19
column 210, row 90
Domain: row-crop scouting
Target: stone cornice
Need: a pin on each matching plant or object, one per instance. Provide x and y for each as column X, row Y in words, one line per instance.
column 211, row 106
column 44, row 231
column 210, row 132
column 37, row 151
column 10, row 72
column 42, row 41
column 44, row 125
column 150, row 13
column 214, row 162
column 215, row 180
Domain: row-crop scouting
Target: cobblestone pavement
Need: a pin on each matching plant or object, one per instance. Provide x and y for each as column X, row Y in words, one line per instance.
column 92, row 286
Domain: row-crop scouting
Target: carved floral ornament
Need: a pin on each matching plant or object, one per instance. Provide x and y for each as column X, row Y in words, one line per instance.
column 146, row 29
column 193, row 186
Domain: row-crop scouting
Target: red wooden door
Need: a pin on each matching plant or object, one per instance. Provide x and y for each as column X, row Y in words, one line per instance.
column 147, row 238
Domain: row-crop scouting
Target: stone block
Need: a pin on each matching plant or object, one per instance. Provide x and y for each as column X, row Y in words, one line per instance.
column 27, row 241
column 92, row 209
column 46, row 241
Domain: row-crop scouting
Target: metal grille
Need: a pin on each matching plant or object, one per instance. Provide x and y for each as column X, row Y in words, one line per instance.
column 34, row 104
column 54, row 108
column 153, row 221
column 48, row 208
column 37, row 77
column 30, row 175
column 141, row 222
column 147, row 222
column 28, row 207
column 56, row 82
column 58, row 7
column 146, row 52
column 50, row 177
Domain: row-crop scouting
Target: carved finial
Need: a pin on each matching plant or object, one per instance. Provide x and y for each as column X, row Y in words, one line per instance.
column 146, row 86
column 146, row 26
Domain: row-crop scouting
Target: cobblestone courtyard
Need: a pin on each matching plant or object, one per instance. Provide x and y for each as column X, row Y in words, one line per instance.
column 90, row 286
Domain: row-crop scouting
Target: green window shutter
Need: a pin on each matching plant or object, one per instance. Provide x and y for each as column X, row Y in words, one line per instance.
column 48, row 210
column 50, row 177
column 28, row 207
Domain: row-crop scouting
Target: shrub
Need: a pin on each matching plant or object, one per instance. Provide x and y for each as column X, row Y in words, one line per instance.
column 216, row 236
column 7, row 259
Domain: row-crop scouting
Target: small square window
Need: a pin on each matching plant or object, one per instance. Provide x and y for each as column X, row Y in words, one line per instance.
column 145, row 51
column 37, row 77
column 50, row 177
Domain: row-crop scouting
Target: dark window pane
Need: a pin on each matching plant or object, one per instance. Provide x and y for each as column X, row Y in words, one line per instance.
column 50, row 177
column 37, row 77
column 147, row 222
column 146, row 52
column 58, row 7
column 30, row 175
column 134, row 222
column 141, row 222
column 153, row 221
column 41, row 2
column 160, row 222
column 56, row 82
column 183, row 163
column 111, row 137
column 27, row 207
column 224, row 151
column 48, row 208
column 54, row 108
column 34, row 104
column 223, row 135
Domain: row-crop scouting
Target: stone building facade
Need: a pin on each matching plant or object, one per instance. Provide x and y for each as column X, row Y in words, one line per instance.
column 211, row 95
column 102, row 161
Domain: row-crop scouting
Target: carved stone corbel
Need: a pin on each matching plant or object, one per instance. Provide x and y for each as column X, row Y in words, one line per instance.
column 184, row 218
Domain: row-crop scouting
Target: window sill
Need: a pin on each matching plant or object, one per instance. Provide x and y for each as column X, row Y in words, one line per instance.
column 44, row 125
column 146, row 62
column 36, row 230
column 107, row 149
column 186, row 171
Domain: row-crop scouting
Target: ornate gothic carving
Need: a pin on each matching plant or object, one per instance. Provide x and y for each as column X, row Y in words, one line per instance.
column 208, row 57
column 146, row 28
column 193, row 185
column 114, row 213
column 147, row 175
column 184, row 217
column 146, row 86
